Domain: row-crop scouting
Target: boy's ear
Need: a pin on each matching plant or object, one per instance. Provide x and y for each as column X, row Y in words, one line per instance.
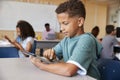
column 81, row 21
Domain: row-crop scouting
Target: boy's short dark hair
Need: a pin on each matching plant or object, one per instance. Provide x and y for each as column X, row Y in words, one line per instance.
column 109, row 29
column 73, row 8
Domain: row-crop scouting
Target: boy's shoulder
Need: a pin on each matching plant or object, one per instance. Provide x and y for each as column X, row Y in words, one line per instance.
column 86, row 35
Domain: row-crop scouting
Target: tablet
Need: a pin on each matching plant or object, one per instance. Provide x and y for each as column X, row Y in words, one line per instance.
column 29, row 53
column 43, row 59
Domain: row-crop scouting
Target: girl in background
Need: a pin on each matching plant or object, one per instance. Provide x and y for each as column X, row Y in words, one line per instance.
column 25, row 38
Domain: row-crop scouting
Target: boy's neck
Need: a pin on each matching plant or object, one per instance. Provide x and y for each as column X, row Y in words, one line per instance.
column 80, row 33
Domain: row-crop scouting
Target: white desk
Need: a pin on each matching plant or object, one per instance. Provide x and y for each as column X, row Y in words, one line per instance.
column 4, row 43
column 46, row 43
column 23, row 69
column 7, row 50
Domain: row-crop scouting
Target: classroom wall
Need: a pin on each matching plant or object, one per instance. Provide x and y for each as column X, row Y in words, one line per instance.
column 12, row 34
column 51, row 2
column 37, row 15
column 96, row 14
column 114, row 15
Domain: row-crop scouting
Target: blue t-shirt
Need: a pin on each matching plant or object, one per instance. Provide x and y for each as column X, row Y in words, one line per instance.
column 18, row 39
column 81, row 51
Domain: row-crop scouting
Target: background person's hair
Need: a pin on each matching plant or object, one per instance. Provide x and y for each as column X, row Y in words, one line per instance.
column 26, row 29
column 95, row 31
column 47, row 24
column 109, row 29
column 73, row 8
column 118, row 32
column 96, row 28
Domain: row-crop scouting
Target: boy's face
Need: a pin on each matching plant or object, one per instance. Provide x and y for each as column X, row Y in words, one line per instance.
column 69, row 25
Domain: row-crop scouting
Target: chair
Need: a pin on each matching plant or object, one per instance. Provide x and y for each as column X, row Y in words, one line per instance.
column 34, row 48
column 8, row 52
column 109, row 69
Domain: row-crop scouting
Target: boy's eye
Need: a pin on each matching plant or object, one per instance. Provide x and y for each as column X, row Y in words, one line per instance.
column 65, row 23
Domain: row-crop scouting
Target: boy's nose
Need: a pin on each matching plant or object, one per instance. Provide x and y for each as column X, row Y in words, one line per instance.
column 62, row 29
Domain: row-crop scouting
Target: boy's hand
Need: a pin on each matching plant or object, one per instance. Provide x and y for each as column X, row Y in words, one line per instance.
column 34, row 60
column 49, row 54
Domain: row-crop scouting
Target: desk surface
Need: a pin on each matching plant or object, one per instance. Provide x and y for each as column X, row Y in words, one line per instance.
column 4, row 43
column 23, row 69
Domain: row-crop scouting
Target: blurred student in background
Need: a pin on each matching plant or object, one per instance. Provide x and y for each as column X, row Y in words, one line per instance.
column 95, row 31
column 108, row 42
column 25, row 37
column 48, row 34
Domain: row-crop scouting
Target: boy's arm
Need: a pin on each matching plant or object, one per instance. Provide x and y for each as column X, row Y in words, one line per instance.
column 65, row 69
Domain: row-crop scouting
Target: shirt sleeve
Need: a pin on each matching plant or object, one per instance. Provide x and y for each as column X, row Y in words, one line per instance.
column 18, row 39
column 82, row 70
column 83, row 54
column 30, row 39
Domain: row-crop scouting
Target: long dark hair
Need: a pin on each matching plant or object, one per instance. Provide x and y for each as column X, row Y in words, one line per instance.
column 26, row 29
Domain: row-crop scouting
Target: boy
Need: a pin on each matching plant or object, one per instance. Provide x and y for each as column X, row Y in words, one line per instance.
column 77, row 48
